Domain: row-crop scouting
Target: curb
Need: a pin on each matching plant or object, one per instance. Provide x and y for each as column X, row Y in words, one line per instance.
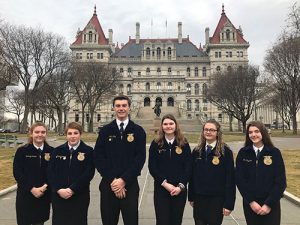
column 8, row 190
column 292, row 198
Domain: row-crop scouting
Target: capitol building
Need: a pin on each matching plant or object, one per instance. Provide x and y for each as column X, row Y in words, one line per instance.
column 172, row 72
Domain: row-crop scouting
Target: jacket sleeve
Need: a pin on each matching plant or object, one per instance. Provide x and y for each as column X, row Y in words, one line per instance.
column 279, row 181
column 139, row 160
column 18, row 170
column 51, row 171
column 158, row 175
column 101, row 160
column 187, row 165
column 241, row 181
column 230, row 191
column 191, row 192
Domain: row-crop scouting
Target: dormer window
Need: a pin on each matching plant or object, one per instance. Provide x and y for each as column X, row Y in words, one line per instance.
column 158, row 52
column 90, row 36
column 227, row 34
column 148, row 52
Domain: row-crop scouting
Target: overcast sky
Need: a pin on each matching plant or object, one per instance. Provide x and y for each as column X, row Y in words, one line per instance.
column 261, row 20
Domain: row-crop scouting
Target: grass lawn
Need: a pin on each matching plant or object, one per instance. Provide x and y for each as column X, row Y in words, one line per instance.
column 6, row 164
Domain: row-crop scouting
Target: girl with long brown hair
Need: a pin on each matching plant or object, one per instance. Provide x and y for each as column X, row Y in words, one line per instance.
column 169, row 164
column 212, row 186
column 30, row 171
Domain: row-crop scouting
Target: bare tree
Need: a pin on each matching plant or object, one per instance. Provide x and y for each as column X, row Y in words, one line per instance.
column 92, row 81
column 235, row 92
column 15, row 104
column 33, row 55
column 282, row 62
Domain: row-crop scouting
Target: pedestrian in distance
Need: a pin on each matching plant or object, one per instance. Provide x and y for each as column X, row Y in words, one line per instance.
column 70, row 172
column 170, row 166
column 30, row 171
column 119, row 156
column 260, row 176
column 212, row 186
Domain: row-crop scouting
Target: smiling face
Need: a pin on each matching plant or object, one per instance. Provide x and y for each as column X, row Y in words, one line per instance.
column 255, row 136
column 210, row 132
column 169, row 127
column 38, row 135
column 73, row 136
column 121, row 108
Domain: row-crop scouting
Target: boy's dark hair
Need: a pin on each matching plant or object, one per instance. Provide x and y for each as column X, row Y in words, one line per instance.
column 122, row 97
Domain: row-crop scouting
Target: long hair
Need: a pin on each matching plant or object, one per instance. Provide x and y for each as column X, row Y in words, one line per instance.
column 178, row 134
column 33, row 126
column 264, row 133
column 220, row 143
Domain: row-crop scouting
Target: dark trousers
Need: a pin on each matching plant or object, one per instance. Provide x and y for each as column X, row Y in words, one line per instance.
column 273, row 218
column 111, row 206
column 208, row 210
column 168, row 209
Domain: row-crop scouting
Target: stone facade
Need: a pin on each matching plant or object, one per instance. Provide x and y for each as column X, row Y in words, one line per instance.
column 170, row 71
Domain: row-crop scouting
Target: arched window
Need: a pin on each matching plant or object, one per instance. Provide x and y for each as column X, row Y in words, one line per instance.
column 87, row 117
column 204, row 71
column 204, row 89
column 148, row 71
column 196, row 71
column 169, row 86
column 158, row 52
column 227, row 34
column 148, row 52
column 197, row 105
column 121, row 71
column 188, row 71
column 229, row 68
column 220, row 117
column 129, row 71
column 169, row 71
column 158, row 71
column 129, row 89
column 189, row 105
column 90, row 36
column 147, row 86
column 218, row 68
column 98, row 117
column 76, row 117
column 158, row 86
column 188, row 88
column 169, row 52
column 197, row 89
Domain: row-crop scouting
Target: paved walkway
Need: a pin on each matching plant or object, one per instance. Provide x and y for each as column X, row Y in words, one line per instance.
column 290, row 211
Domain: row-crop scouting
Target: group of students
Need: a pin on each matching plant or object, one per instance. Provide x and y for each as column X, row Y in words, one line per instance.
column 206, row 175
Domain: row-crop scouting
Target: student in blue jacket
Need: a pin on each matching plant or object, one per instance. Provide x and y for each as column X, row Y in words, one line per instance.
column 212, row 186
column 119, row 156
column 170, row 166
column 30, row 171
column 70, row 172
column 260, row 176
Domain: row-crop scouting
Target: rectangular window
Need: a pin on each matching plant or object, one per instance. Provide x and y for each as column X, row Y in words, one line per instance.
column 88, row 55
column 101, row 55
column 98, row 55
column 216, row 54
column 91, row 55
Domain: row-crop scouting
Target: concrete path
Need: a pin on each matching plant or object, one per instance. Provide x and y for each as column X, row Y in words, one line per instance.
column 290, row 211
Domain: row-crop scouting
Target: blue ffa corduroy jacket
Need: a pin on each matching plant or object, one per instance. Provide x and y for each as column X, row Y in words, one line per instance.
column 262, row 179
column 168, row 163
column 30, row 166
column 74, row 171
column 120, row 158
column 212, row 177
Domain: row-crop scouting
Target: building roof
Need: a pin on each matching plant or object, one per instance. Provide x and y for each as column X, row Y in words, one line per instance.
column 215, row 39
column 95, row 22
column 185, row 49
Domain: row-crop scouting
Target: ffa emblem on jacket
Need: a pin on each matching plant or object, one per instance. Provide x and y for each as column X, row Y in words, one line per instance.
column 130, row 137
column 80, row 156
column 178, row 150
column 215, row 160
column 47, row 156
column 267, row 160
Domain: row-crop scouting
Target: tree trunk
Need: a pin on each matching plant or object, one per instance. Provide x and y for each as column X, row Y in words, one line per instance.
column 60, row 121
column 294, row 121
column 91, row 122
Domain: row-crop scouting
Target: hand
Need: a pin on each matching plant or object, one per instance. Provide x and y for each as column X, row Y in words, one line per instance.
column 37, row 192
column 117, row 185
column 192, row 204
column 226, row 212
column 264, row 210
column 168, row 187
column 44, row 187
column 175, row 191
column 121, row 194
column 65, row 193
column 255, row 207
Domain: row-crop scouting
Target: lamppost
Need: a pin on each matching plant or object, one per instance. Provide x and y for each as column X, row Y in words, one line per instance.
column 281, row 97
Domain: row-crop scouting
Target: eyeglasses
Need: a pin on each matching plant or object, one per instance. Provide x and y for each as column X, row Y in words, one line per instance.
column 206, row 130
